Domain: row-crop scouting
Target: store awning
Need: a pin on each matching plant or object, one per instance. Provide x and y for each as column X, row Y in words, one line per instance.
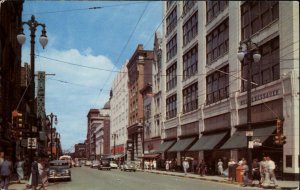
column 181, row 145
column 239, row 139
column 151, row 155
column 164, row 146
column 208, row 142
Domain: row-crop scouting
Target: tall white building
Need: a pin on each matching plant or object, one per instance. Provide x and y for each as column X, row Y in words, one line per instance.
column 205, row 92
column 119, row 113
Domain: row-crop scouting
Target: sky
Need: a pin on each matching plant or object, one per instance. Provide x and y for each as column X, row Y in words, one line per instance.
column 88, row 42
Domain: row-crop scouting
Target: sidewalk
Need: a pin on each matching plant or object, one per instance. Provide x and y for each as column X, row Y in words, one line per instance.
column 281, row 184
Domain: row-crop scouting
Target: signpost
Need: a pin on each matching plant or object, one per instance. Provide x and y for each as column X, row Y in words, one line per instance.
column 31, row 143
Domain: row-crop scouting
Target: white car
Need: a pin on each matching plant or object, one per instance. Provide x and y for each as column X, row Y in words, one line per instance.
column 113, row 165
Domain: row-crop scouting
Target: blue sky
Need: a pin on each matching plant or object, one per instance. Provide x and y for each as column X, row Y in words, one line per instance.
column 100, row 38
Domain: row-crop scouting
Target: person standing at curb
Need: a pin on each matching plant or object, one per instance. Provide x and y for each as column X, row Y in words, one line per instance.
column 185, row 165
column 220, row 167
column 271, row 170
column 5, row 172
column 245, row 173
column 34, row 174
column 19, row 169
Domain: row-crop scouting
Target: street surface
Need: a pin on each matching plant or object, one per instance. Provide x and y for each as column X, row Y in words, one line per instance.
column 85, row 178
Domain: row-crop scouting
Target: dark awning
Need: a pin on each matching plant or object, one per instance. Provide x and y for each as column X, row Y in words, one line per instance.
column 208, row 142
column 164, row 146
column 239, row 139
column 181, row 145
column 150, row 156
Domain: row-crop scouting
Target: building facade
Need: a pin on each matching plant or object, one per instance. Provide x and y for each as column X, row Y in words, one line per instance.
column 79, row 150
column 205, row 96
column 10, row 72
column 139, row 73
column 119, row 113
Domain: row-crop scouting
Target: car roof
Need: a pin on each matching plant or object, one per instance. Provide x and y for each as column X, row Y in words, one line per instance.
column 59, row 161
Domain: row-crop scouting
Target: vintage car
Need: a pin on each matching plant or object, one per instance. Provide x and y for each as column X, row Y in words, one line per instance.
column 77, row 164
column 104, row 164
column 59, row 170
column 88, row 163
column 95, row 164
column 128, row 166
column 113, row 165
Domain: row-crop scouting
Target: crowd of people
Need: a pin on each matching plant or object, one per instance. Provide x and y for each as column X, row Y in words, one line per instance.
column 37, row 176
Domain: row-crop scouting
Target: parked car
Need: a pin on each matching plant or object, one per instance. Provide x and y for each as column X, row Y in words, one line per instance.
column 59, row 169
column 77, row 164
column 104, row 164
column 113, row 165
column 95, row 164
column 88, row 163
column 128, row 166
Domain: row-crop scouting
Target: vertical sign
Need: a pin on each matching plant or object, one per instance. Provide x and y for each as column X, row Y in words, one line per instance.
column 41, row 94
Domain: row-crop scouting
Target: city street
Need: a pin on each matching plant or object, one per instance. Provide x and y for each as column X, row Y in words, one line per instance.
column 87, row 178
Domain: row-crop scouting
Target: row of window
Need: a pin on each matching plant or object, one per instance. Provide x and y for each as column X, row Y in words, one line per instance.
column 172, row 21
column 256, row 15
column 190, row 29
column 267, row 69
column 190, row 98
column 217, row 85
column 172, row 48
column 171, row 108
column 187, row 6
column 217, row 42
column 190, row 62
column 214, row 8
column 171, row 76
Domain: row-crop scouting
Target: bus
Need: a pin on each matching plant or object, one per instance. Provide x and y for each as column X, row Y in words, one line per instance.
column 68, row 158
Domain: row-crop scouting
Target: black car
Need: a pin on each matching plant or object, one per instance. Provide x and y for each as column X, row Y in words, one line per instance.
column 59, row 169
column 104, row 164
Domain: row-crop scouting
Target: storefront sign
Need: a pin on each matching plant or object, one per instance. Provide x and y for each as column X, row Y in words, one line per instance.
column 262, row 96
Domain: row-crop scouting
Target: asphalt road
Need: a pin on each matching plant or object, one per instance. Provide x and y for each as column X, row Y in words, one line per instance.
column 85, row 178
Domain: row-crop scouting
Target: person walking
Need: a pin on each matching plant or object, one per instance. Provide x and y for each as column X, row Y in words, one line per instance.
column 202, row 168
column 220, row 167
column 231, row 168
column 5, row 172
column 271, row 170
column 34, row 174
column 42, row 173
column 185, row 165
column 255, row 170
column 245, row 173
column 194, row 165
column 264, row 174
column 167, row 165
column 20, row 169
column 154, row 164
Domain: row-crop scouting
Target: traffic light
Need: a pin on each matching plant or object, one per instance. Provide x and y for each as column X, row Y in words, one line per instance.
column 17, row 119
column 20, row 120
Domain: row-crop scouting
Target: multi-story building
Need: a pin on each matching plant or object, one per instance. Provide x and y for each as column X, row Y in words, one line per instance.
column 93, row 117
column 152, row 103
column 119, row 113
column 79, row 150
column 10, row 71
column 205, row 96
column 139, row 73
column 102, row 132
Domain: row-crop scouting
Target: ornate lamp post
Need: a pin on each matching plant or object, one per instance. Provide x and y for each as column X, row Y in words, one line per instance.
column 33, row 24
column 249, row 50
column 51, row 116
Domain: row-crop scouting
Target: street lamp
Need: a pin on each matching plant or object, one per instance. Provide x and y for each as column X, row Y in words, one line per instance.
column 51, row 116
column 249, row 50
column 114, row 136
column 33, row 24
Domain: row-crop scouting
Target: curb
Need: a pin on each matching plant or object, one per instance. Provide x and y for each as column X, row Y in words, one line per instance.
column 212, row 180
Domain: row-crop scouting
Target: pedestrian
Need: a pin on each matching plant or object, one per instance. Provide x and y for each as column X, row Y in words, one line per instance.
column 5, row 172
column 245, row 173
column 202, row 168
column 154, row 164
column 271, row 170
column 151, row 164
column 167, row 165
column 264, row 174
column 34, row 174
column 220, row 167
column 241, row 161
column 185, row 165
column 146, row 164
column 255, row 170
column 20, row 169
column 194, row 165
column 231, row 164
column 42, row 173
